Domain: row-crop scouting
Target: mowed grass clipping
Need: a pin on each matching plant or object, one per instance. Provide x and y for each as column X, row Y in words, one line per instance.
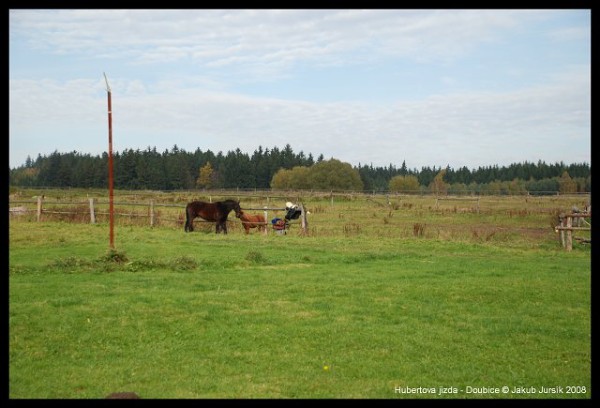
column 175, row 315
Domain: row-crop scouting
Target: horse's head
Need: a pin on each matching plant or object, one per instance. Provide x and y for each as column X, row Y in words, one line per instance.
column 237, row 209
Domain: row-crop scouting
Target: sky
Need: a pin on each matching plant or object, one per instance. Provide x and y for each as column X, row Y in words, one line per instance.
column 447, row 87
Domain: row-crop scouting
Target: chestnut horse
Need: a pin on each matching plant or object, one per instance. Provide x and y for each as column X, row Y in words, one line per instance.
column 252, row 221
column 217, row 212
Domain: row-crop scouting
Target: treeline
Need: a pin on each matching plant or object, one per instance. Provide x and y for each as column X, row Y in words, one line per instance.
column 177, row 169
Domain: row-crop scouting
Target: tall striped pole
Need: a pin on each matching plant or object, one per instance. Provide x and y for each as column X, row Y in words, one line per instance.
column 111, row 211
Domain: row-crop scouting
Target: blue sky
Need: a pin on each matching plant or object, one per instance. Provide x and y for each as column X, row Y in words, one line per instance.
column 428, row 87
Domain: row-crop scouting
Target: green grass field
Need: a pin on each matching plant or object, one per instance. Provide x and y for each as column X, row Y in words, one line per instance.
column 362, row 307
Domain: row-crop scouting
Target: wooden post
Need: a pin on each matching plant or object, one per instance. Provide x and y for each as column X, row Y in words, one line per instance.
column 39, row 208
column 567, row 226
column 562, row 231
column 92, row 212
column 569, row 233
column 152, row 213
column 266, row 220
column 304, row 222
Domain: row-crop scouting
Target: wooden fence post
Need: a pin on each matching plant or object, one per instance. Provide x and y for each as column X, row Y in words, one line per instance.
column 566, row 227
column 266, row 220
column 562, row 231
column 39, row 208
column 92, row 212
column 569, row 233
column 304, row 222
column 152, row 213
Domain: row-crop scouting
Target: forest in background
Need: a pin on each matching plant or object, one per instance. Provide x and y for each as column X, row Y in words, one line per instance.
column 178, row 169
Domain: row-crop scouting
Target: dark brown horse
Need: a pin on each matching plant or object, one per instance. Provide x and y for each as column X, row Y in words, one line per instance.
column 217, row 212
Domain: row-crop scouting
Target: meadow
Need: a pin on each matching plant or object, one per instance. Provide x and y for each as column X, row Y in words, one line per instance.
column 384, row 298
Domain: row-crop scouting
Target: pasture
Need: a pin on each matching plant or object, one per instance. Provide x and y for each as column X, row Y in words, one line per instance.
column 380, row 300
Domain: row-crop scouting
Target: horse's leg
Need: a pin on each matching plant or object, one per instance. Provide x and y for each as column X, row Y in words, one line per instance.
column 246, row 225
column 189, row 221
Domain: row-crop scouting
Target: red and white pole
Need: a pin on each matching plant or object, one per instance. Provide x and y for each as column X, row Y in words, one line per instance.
column 111, row 211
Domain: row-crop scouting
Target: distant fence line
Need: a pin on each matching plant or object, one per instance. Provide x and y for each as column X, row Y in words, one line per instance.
column 296, row 196
column 281, row 193
column 477, row 199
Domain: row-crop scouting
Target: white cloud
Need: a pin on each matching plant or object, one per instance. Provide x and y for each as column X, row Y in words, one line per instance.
column 437, row 130
column 275, row 39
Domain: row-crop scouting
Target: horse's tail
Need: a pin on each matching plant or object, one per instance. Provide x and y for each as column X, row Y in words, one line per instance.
column 188, row 225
